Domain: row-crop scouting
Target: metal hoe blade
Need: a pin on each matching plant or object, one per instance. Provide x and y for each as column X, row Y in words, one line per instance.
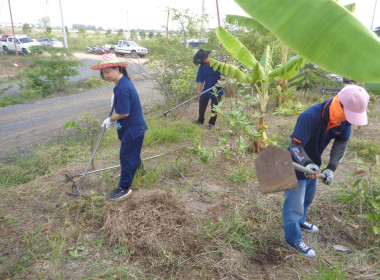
column 275, row 170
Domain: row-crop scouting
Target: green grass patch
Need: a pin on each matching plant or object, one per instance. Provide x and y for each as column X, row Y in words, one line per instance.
column 240, row 174
column 166, row 132
column 365, row 149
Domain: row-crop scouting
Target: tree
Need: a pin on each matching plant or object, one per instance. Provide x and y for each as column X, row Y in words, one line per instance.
column 189, row 24
column 142, row 34
column 50, row 75
column 97, row 33
column 26, row 28
column 108, row 33
column 82, row 32
column 67, row 31
column 133, row 34
column 48, row 30
column 120, row 33
column 151, row 35
column 43, row 22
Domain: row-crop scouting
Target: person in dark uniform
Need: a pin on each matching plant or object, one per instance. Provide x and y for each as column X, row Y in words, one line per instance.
column 207, row 78
column 131, row 125
column 315, row 128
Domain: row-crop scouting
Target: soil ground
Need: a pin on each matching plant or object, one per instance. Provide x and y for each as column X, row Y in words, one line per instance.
column 24, row 125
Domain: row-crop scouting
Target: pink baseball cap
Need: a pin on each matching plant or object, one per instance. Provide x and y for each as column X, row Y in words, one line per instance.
column 355, row 101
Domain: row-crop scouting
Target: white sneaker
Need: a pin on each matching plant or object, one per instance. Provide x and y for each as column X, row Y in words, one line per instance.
column 302, row 248
column 308, row 227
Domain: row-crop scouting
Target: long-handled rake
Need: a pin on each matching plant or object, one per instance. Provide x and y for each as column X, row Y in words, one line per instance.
column 76, row 192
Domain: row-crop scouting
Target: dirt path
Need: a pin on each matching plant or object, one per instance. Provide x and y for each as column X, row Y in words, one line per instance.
column 30, row 124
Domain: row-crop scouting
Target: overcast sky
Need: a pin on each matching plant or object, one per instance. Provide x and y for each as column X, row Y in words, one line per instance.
column 142, row 14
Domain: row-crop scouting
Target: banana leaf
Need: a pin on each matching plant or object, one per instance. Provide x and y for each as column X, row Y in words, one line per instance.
column 247, row 22
column 288, row 69
column 374, row 88
column 324, row 33
column 235, row 48
column 266, row 60
column 351, row 7
column 230, row 71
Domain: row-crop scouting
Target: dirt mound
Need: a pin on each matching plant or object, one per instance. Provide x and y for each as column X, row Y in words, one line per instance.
column 152, row 222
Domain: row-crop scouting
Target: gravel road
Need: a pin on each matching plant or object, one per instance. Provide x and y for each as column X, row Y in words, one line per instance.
column 23, row 125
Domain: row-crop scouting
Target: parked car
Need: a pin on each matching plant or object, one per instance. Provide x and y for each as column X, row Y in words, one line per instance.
column 23, row 44
column 3, row 37
column 126, row 47
column 52, row 42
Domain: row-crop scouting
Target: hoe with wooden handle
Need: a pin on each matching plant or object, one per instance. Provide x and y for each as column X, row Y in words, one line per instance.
column 275, row 170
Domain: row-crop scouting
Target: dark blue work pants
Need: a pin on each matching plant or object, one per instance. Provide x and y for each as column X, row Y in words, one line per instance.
column 129, row 160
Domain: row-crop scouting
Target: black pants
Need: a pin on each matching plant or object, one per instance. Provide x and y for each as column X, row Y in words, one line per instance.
column 203, row 102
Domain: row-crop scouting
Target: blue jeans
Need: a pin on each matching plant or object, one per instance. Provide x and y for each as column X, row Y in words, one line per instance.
column 295, row 208
column 129, row 160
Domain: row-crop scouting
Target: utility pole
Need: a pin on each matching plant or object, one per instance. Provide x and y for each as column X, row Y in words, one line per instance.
column 373, row 16
column 217, row 10
column 203, row 13
column 63, row 26
column 14, row 41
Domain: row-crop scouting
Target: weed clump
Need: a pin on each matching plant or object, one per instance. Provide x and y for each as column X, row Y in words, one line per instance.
column 152, row 223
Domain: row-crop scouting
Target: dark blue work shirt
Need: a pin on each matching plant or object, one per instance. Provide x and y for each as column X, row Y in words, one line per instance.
column 127, row 101
column 311, row 131
column 209, row 77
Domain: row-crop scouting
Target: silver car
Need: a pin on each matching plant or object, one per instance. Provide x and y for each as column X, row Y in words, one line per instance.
column 52, row 42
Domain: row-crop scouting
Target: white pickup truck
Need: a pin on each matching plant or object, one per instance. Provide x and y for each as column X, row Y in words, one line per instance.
column 126, row 47
column 23, row 44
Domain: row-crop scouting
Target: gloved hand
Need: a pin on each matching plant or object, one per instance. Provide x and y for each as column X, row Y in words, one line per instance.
column 329, row 176
column 313, row 167
column 113, row 96
column 107, row 123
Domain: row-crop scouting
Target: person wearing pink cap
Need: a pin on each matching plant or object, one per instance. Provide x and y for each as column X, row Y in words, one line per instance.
column 315, row 128
column 128, row 115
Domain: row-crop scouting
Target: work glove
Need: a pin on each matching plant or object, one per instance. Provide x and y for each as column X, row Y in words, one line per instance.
column 112, row 98
column 312, row 166
column 329, row 176
column 107, row 123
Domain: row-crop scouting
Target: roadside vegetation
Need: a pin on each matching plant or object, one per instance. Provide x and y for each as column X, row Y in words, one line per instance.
column 166, row 230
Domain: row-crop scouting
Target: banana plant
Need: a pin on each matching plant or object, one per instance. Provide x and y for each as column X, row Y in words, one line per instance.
column 323, row 32
column 252, row 24
column 260, row 73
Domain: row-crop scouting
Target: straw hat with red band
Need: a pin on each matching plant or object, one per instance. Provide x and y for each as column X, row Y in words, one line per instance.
column 109, row 60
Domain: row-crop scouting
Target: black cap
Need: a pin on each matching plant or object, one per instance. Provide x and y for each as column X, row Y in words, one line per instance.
column 200, row 56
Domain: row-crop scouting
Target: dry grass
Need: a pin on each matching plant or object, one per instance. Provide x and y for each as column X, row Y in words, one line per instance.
column 166, row 231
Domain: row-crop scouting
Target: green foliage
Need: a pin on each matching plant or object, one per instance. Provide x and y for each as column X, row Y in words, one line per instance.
column 189, row 24
column 108, row 33
column 316, row 41
column 142, row 34
column 26, row 28
column 327, row 272
column 290, row 108
column 361, row 194
column 48, row 76
column 120, row 33
column 151, row 35
column 200, row 152
column 365, row 149
column 83, row 32
column 48, row 30
column 173, row 71
column 133, row 35
column 94, row 82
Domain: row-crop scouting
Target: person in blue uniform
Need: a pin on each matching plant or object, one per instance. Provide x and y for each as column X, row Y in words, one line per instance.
column 128, row 116
column 315, row 128
column 207, row 78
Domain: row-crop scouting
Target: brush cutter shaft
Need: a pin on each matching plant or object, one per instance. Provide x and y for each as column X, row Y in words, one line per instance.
column 306, row 170
column 183, row 103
